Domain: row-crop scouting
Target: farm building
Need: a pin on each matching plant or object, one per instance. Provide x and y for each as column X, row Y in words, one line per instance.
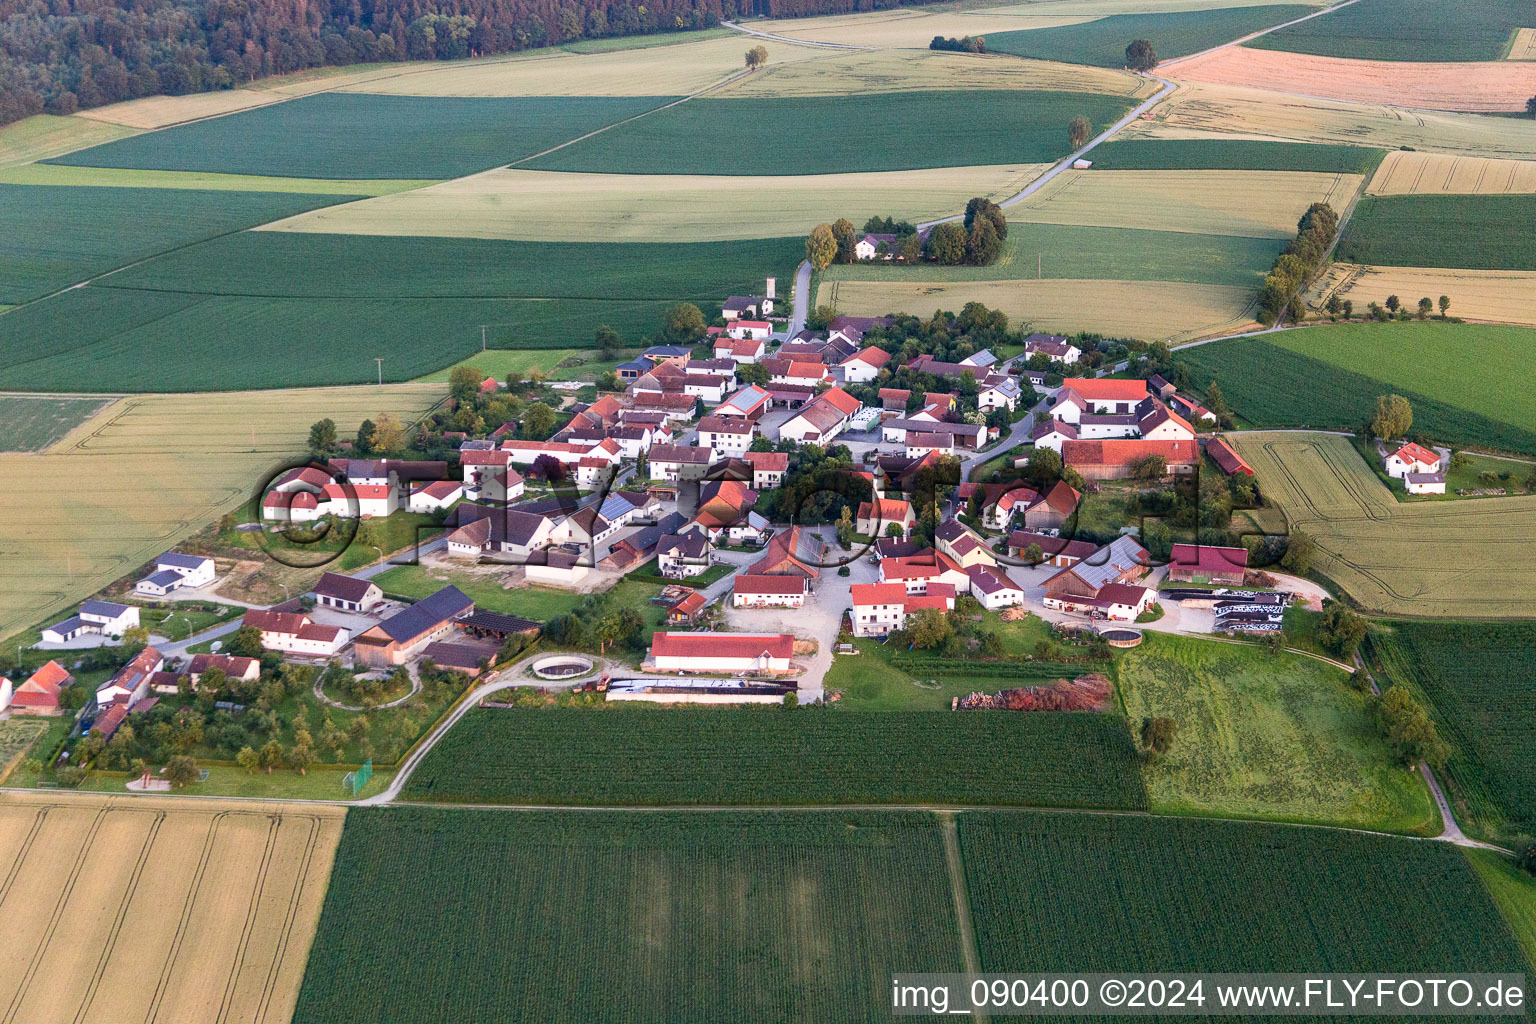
column 405, row 633
column 1227, row 460
column 1203, row 563
column 768, row 592
column 1054, row 346
column 880, row 608
column 722, row 652
column 1412, row 458
column 294, row 633
column 1060, row 551
column 435, row 495
column 346, row 593
column 1077, row 588
column 1424, row 483
column 38, row 694
column 821, row 420
column 782, row 557
column 1120, row 459
column 920, row 573
column 865, row 365
column 173, row 571
column 1102, row 396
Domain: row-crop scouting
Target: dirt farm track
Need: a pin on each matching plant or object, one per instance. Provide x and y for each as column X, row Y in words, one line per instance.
column 128, row 910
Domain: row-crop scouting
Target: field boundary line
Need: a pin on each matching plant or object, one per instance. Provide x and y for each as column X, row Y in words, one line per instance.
column 1255, row 35
column 116, row 928
column 58, row 912
column 792, row 39
column 289, row 918
column 253, row 909
column 187, row 903
column 961, row 894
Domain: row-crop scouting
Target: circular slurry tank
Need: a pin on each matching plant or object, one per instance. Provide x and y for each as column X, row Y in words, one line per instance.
column 562, row 666
column 1119, row 636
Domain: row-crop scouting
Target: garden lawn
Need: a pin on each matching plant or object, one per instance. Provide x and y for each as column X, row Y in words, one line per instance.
column 1089, row 252
column 650, row 756
column 1480, row 684
column 1172, row 34
column 52, row 237
column 1465, row 232
column 1407, row 30
column 1330, row 377
column 872, row 132
column 1264, row 736
column 1233, row 154
column 537, row 603
column 352, row 135
column 609, row 918
column 1052, row 892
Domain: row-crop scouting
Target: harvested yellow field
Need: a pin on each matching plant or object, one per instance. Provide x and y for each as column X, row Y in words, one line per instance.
column 1436, row 558
column 163, row 111
column 905, row 27
column 159, row 909
column 149, row 470
column 1488, row 87
column 1203, row 110
column 1524, row 45
column 1253, row 204
column 1493, row 296
column 675, row 70
column 1149, row 310
column 1404, row 173
column 555, row 206
column 847, row 72
column 45, row 136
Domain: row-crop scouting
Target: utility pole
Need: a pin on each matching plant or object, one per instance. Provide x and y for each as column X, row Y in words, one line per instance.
column 482, row 337
column 380, row 361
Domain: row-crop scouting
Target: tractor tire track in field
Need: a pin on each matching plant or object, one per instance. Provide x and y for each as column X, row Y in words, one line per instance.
column 58, row 912
column 188, row 902
column 253, row 909
column 21, row 854
column 122, row 914
column 295, row 900
column 961, row 893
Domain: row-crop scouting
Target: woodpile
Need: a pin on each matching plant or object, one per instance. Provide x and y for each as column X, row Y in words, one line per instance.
column 1085, row 693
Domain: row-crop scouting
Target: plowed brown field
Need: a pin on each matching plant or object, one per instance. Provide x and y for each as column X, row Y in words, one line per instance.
column 122, row 910
column 1493, row 86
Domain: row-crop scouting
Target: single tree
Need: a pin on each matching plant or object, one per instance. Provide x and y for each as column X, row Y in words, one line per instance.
column 821, row 246
column 911, row 248
column 757, row 57
column 365, row 434
column 270, row 755
column 181, row 771
column 1445, row 304
column 539, row 421
column 245, row 642
column 1139, row 56
column 847, row 236
column 1300, row 549
column 1034, row 554
column 1426, row 307
column 464, row 384
column 1157, row 736
column 300, row 757
column 1393, row 303
column 895, row 531
column 322, row 438
column 683, row 324
column 388, row 435
column 946, row 244
column 1077, row 132
column 1340, row 629
column 607, row 341
column 983, row 247
column 1394, row 417
column 929, row 628
column 1530, row 107
column 1526, row 860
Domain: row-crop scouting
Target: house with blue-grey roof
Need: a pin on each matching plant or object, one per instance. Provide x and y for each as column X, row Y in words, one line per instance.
column 173, row 571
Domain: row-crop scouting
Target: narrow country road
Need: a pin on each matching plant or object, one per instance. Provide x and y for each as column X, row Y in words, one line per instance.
column 791, row 39
column 801, row 309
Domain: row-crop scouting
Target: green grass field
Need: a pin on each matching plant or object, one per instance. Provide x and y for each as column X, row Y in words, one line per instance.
column 1513, row 892
column 354, row 135
column 245, row 310
column 31, row 423
column 1330, row 376
column 297, row 265
column 1101, row 253
column 1172, row 34
column 53, row 236
column 1050, row 892
column 624, row 918
column 832, row 134
column 660, row 756
column 1233, row 154
column 1484, row 232
column 1481, row 685
column 105, row 339
column 499, row 362
column 1406, row 30
column 1263, row 736
column 118, row 177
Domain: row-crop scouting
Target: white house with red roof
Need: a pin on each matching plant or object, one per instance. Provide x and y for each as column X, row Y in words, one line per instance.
column 875, row 518
column 921, row 572
column 880, row 608
column 768, row 591
column 294, row 633
column 726, row 436
column 993, row 588
column 1412, row 458
column 864, row 365
column 39, row 693
column 753, row 330
column 434, row 496
column 131, row 683
column 768, row 468
column 766, row 653
column 822, row 419
column 739, row 350
column 1102, row 396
